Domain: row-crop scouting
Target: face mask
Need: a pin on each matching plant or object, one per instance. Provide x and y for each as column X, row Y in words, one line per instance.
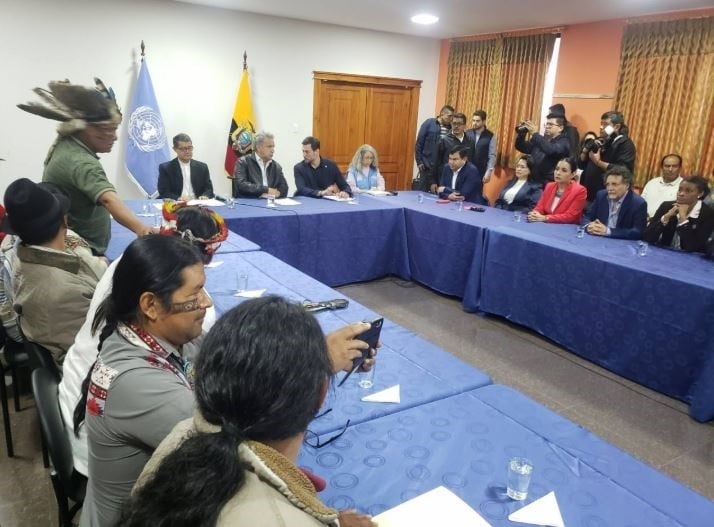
column 609, row 130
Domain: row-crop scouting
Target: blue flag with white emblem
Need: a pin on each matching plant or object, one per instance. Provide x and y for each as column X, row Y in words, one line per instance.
column 147, row 146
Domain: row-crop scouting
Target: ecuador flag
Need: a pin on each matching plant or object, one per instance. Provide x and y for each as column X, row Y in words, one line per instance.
column 240, row 135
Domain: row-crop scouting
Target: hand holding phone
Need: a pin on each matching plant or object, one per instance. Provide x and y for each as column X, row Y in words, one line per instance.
column 371, row 337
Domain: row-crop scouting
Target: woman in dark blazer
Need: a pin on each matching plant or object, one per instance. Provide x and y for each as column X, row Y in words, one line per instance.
column 689, row 218
column 526, row 193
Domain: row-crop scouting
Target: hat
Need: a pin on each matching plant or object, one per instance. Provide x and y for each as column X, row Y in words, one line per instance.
column 34, row 211
column 75, row 106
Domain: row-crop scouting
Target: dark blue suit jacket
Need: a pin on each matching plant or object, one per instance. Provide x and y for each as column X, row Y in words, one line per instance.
column 468, row 183
column 526, row 198
column 631, row 220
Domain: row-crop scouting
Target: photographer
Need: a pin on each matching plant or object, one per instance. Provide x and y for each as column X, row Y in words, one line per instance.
column 613, row 147
column 545, row 150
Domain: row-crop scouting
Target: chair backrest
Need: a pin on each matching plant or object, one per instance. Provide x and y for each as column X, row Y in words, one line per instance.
column 41, row 357
column 45, row 389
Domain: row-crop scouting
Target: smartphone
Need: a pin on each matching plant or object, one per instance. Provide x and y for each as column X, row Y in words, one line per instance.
column 371, row 337
column 478, row 208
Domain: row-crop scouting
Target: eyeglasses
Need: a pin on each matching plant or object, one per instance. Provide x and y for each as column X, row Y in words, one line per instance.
column 548, row 125
column 191, row 305
column 184, row 148
column 313, row 440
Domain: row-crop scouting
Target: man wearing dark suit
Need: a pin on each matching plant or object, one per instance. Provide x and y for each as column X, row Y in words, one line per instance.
column 257, row 175
column 684, row 224
column 183, row 176
column 460, row 180
column 458, row 136
column 617, row 212
column 316, row 176
column 614, row 147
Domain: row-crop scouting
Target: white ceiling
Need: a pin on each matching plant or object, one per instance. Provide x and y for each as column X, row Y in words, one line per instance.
column 457, row 17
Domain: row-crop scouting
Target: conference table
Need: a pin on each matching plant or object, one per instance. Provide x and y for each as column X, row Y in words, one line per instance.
column 464, row 443
column 649, row 319
column 336, row 242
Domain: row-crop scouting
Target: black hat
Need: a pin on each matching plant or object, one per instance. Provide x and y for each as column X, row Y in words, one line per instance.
column 34, row 211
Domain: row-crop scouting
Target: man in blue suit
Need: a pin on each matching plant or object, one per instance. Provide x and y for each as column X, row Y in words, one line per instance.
column 460, row 180
column 617, row 212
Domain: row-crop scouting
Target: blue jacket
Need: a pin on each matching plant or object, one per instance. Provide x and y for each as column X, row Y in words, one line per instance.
column 526, row 198
column 427, row 142
column 468, row 184
column 631, row 220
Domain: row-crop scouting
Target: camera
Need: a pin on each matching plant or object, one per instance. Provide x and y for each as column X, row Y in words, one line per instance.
column 592, row 145
column 521, row 128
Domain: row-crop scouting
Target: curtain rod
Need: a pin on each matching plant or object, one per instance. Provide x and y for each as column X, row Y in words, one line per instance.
column 520, row 33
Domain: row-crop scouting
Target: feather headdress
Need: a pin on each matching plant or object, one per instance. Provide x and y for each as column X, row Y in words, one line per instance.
column 75, row 106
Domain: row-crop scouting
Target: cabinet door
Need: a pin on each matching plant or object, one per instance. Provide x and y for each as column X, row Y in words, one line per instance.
column 387, row 129
column 339, row 112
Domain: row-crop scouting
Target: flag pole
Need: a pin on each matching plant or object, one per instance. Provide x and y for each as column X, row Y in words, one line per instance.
column 142, row 51
column 245, row 60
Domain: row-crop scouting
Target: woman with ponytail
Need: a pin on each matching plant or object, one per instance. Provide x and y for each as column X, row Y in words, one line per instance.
column 233, row 463
column 205, row 230
column 142, row 382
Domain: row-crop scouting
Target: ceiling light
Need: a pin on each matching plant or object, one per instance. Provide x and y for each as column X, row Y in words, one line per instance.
column 425, row 19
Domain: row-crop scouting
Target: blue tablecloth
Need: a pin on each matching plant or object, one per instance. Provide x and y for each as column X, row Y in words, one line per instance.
column 336, row 242
column 121, row 236
column 424, row 371
column 464, row 444
column 650, row 319
column 573, row 442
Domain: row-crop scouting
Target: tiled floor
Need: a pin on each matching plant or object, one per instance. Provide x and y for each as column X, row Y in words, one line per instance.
column 644, row 423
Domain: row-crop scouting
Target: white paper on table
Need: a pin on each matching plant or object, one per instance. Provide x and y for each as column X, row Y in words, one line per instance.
column 213, row 264
column 543, row 511
column 287, row 201
column 159, row 206
column 390, row 395
column 336, row 198
column 206, row 202
column 439, row 506
column 376, row 192
column 253, row 293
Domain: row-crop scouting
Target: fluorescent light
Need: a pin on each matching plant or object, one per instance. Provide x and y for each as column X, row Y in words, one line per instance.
column 425, row 19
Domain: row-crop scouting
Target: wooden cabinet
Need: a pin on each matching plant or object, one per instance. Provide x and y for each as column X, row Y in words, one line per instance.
column 351, row 110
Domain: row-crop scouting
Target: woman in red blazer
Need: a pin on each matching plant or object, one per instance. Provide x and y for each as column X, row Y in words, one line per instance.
column 563, row 200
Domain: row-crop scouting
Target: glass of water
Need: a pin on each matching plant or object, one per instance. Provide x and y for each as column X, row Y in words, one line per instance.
column 271, row 201
column 580, row 233
column 642, row 248
column 242, row 283
column 519, row 478
column 420, row 198
column 366, row 378
column 517, row 216
column 231, row 203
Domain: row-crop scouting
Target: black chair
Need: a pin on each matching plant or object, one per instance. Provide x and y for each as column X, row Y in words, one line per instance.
column 15, row 358
column 68, row 484
column 41, row 357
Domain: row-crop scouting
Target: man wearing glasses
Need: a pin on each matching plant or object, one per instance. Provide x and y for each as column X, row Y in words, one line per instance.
column 184, row 177
column 89, row 117
column 545, row 150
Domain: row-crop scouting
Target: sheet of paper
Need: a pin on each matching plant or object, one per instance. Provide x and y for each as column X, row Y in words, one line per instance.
column 377, row 192
column 159, row 206
column 206, row 202
column 390, row 395
column 543, row 511
column 213, row 264
column 253, row 293
column 439, row 506
column 287, row 201
column 335, row 198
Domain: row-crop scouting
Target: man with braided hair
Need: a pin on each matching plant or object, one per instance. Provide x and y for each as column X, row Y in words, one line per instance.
column 89, row 118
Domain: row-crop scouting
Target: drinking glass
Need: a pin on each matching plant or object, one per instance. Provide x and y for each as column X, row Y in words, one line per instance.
column 519, row 478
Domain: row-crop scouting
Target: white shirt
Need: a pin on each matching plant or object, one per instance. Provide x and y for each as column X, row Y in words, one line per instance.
column 510, row 194
column 657, row 191
column 263, row 169
column 186, row 172
column 453, row 179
